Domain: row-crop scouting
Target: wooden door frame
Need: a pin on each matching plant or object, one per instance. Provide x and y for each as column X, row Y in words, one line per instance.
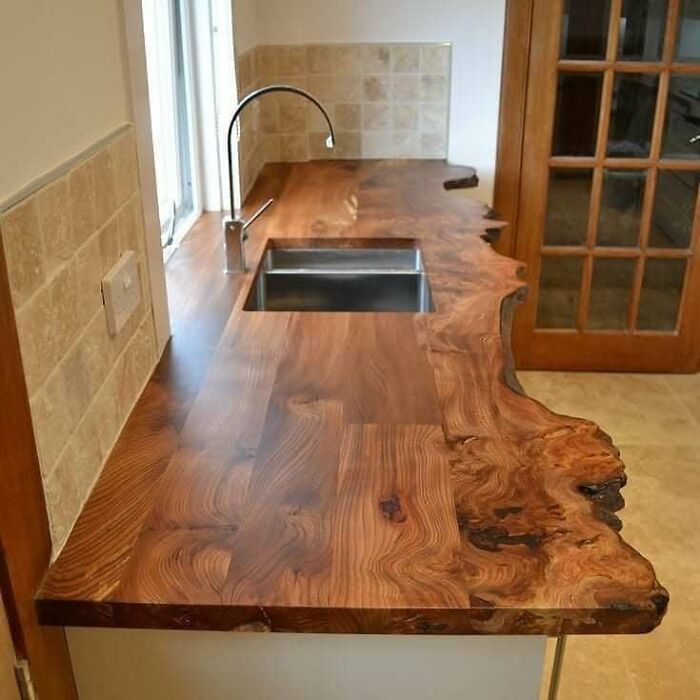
column 511, row 122
column 25, row 540
column 517, row 48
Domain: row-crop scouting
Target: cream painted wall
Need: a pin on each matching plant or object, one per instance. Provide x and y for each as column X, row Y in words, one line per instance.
column 474, row 27
column 245, row 24
column 113, row 664
column 63, row 82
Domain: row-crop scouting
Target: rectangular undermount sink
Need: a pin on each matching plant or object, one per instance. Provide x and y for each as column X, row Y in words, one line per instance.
column 341, row 275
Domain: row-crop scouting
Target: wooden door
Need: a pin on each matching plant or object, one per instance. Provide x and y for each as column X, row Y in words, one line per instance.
column 8, row 682
column 608, row 218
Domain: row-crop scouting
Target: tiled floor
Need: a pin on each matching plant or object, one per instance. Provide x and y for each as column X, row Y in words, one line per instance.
column 655, row 421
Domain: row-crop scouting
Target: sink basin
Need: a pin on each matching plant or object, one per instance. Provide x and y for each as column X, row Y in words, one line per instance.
column 373, row 275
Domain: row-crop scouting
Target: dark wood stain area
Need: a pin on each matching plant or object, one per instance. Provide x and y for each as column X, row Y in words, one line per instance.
column 382, row 473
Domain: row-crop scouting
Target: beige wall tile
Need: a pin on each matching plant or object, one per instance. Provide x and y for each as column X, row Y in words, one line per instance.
column 322, row 87
column 376, row 144
column 88, row 296
column 269, row 114
column 293, row 115
column 81, row 202
column 348, row 88
column 300, row 81
column 272, row 144
column 376, row 117
column 62, row 503
column 110, row 247
column 79, row 230
column 124, row 166
column 294, row 148
column 405, row 144
column 317, row 147
column 267, row 62
column 23, row 249
column 433, row 117
column 55, row 225
column 376, row 88
column 108, row 419
column 347, row 59
column 404, row 116
column 55, row 413
column 244, row 72
column 433, row 145
column 435, row 58
column 347, row 117
column 433, row 88
column 317, row 121
column 320, row 59
column 103, row 186
column 130, row 226
column 84, row 455
column 348, row 145
column 133, row 368
column 405, row 88
column 405, row 58
column 291, row 60
column 376, row 58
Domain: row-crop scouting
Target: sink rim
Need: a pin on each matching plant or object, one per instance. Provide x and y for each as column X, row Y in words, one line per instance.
column 412, row 266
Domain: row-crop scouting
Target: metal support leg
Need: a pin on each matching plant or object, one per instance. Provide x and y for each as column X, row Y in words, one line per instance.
column 556, row 667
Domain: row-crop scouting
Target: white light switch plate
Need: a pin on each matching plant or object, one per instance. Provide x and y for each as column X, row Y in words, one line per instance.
column 121, row 290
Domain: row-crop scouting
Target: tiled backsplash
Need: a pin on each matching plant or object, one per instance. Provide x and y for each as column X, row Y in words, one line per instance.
column 386, row 101
column 82, row 382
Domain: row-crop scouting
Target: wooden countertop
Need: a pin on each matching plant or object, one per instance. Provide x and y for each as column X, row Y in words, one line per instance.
column 318, row 472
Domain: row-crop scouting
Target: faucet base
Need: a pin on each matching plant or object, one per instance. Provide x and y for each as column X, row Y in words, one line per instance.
column 233, row 230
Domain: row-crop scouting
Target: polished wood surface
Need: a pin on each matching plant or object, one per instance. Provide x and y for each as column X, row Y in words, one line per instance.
column 357, row 472
column 25, row 542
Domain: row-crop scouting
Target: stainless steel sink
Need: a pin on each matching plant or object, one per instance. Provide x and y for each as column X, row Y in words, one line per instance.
column 328, row 278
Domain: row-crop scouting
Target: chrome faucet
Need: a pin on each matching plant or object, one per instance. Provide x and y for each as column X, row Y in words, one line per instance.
column 234, row 226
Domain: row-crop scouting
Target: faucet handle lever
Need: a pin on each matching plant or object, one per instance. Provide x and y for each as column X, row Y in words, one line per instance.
column 258, row 213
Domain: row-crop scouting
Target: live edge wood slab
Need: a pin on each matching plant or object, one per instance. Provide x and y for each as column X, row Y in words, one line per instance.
column 376, row 473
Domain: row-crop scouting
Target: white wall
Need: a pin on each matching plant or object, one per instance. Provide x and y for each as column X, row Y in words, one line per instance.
column 475, row 28
column 245, row 23
column 113, row 664
column 63, row 83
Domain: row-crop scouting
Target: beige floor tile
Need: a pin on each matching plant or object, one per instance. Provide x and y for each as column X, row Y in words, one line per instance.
column 656, row 422
column 594, row 669
column 687, row 388
column 630, row 407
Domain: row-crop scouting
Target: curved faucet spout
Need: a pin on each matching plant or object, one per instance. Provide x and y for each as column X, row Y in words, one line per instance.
column 330, row 141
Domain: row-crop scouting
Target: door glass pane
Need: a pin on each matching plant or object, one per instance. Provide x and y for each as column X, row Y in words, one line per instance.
column 661, row 294
column 611, row 289
column 642, row 27
column 567, row 206
column 560, row 284
column 621, row 207
column 682, row 125
column 584, row 29
column 634, row 102
column 688, row 44
column 674, row 209
column 576, row 117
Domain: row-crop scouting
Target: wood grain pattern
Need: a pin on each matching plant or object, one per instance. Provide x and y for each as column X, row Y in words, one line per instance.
column 358, row 472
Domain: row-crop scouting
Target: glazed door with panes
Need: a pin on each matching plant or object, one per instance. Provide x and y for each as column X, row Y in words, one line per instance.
column 608, row 219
